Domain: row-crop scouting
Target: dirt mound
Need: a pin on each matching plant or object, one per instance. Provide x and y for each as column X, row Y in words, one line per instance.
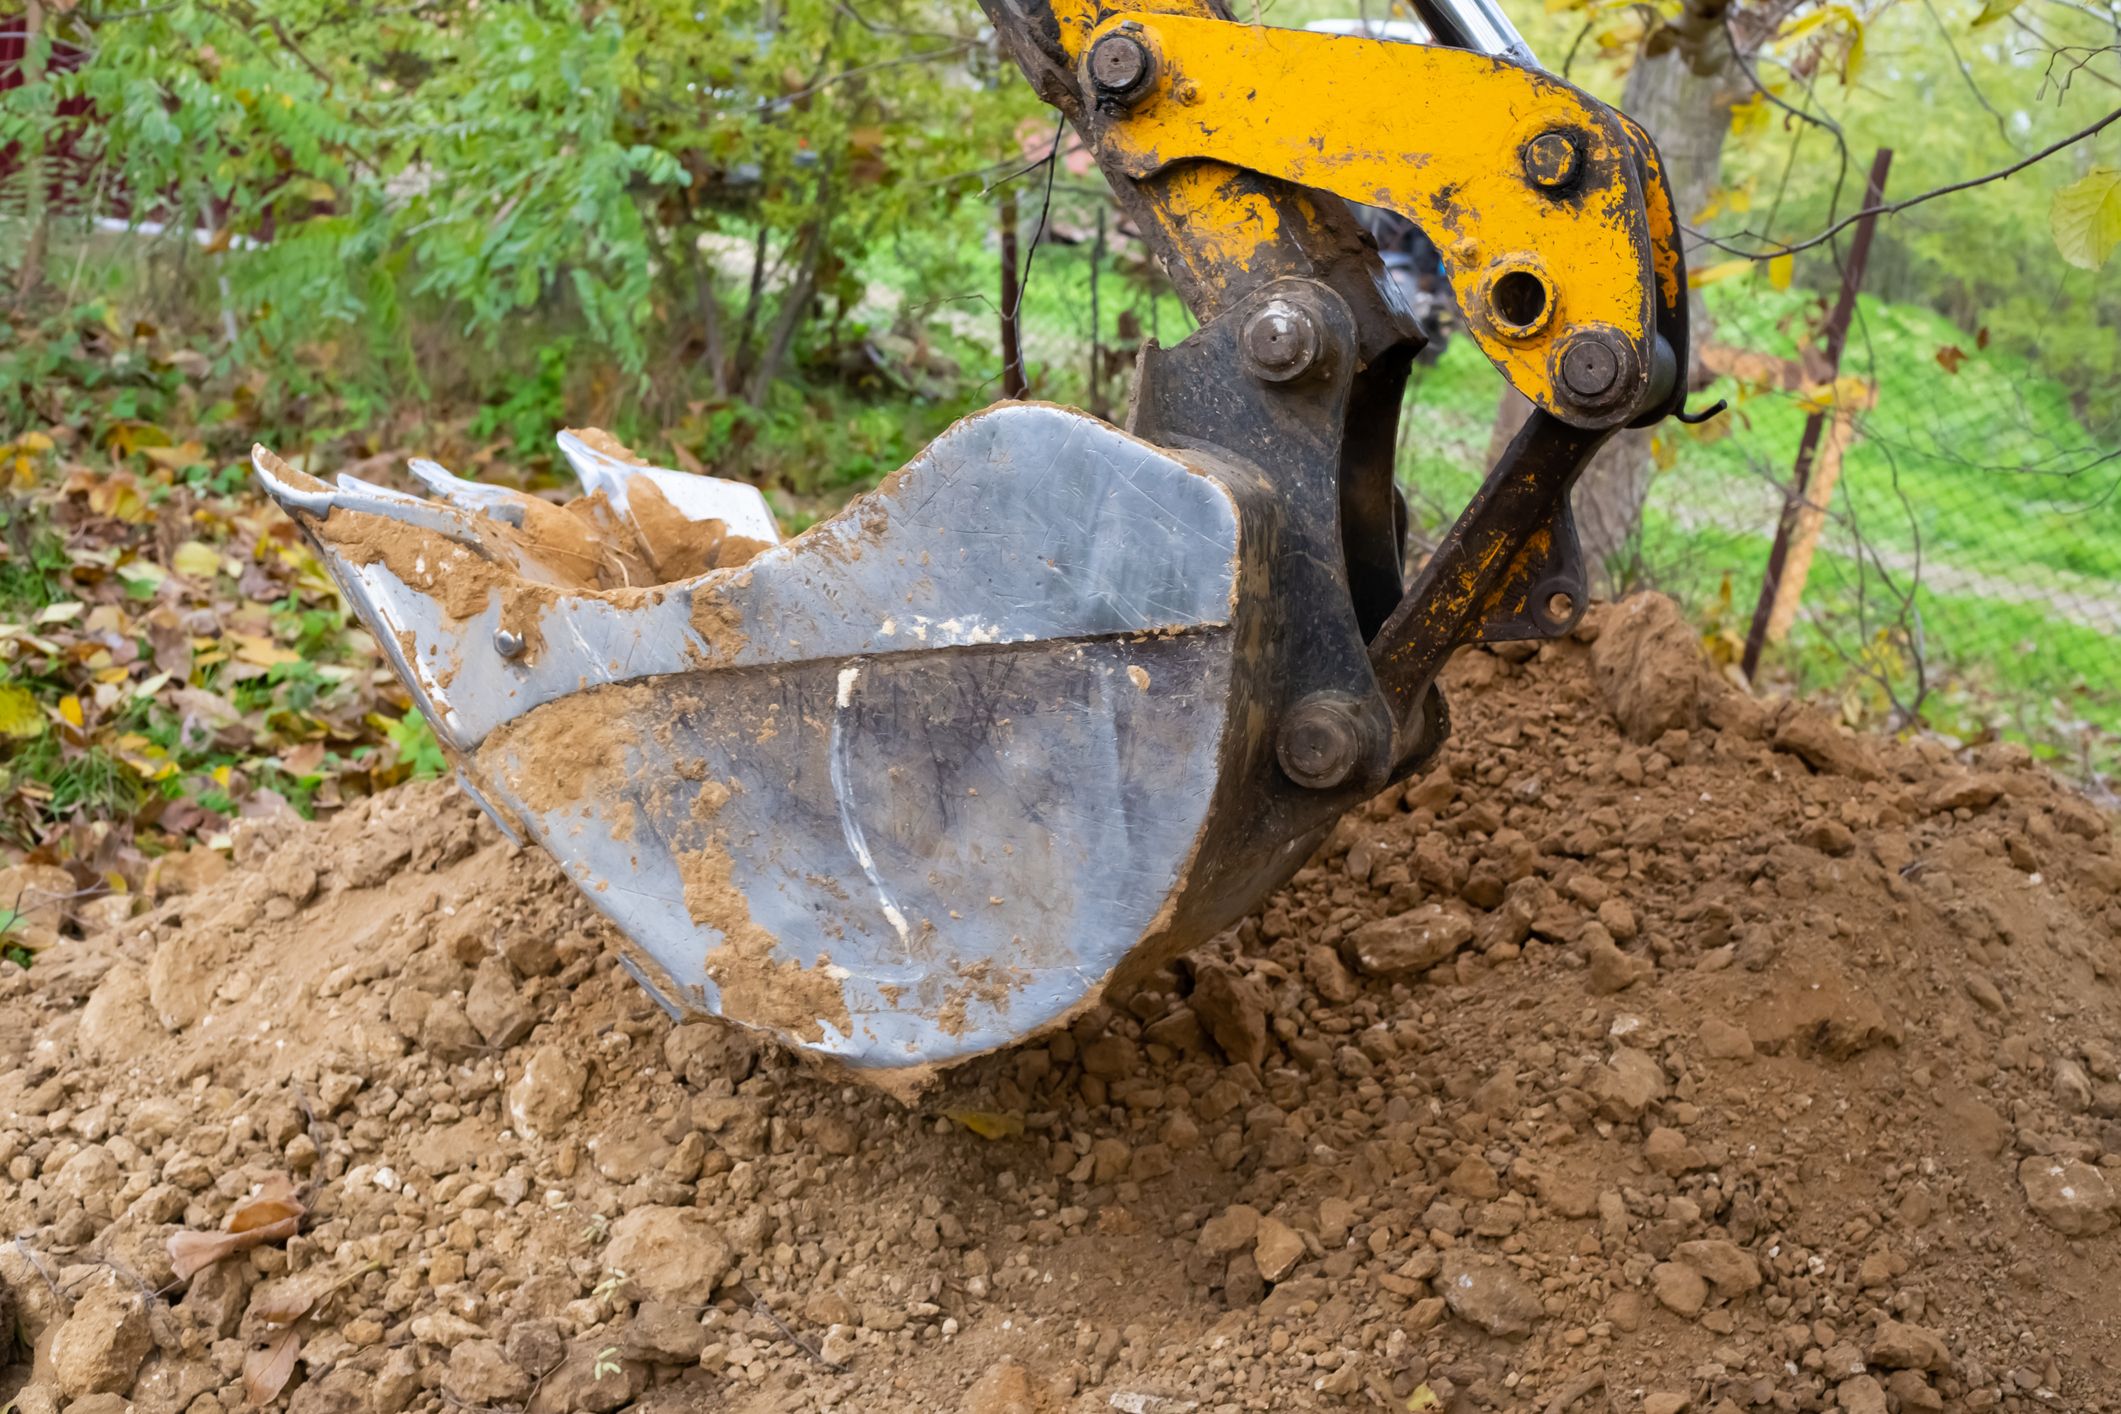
column 1729, row 1063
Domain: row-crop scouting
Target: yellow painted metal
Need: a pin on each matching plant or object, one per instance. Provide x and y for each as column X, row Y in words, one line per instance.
column 1434, row 134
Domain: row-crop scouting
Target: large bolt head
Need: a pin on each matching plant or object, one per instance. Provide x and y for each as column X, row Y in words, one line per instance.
column 1280, row 341
column 508, row 643
column 1119, row 64
column 1596, row 372
column 1552, row 161
column 1589, row 367
column 1321, row 743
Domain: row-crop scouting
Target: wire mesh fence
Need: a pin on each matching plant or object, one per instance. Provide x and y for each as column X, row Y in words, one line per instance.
column 1956, row 556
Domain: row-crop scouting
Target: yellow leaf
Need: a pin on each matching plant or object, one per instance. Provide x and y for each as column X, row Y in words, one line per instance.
column 196, row 559
column 262, row 651
column 19, row 714
column 1778, row 271
column 175, row 458
column 33, row 442
column 1422, row 1398
column 70, row 709
column 114, row 675
column 60, row 613
column 1995, row 10
column 1709, row 275
column 988, row 1124
column 2085, row 217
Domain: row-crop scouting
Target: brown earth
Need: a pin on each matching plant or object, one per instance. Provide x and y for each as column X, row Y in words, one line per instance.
column 1730, row 1063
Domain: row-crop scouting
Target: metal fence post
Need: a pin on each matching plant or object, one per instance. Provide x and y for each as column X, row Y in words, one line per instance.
column 1837, row 328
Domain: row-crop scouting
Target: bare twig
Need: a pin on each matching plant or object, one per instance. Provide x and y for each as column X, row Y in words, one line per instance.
column 1894, row 207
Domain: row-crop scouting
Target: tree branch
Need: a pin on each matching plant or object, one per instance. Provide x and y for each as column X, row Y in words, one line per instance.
column 1892, row 208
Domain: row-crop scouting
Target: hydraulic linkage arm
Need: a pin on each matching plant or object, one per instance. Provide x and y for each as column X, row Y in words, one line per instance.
column 1228, row 144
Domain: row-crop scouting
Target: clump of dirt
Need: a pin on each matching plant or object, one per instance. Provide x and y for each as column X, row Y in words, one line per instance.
column 1728, row 1063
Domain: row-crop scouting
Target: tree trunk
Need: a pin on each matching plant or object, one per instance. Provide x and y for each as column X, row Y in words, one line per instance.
column 1680, row 89
column 29, row 278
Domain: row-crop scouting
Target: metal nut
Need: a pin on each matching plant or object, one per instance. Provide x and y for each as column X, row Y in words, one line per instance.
column 1280, row 341
column 1552, row 161
column 508, row 643
column 1120, row 65
column 1321, row 743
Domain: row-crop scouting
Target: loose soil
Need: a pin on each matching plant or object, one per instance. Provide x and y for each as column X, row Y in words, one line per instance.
column 1659, row 1050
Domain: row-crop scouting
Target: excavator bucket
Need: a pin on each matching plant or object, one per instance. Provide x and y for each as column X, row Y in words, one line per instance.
column 902, row 789
column 1060, row 699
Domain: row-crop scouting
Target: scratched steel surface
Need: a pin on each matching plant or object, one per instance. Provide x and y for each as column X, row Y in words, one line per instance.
column 955, row 747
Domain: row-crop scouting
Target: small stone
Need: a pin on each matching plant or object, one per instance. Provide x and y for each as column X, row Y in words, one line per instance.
column 1494, row 1297
column 480, row 1374
column 663, row 1335
column 1861, row 1395
column 1611, row 969
column 2068, row 1195
column 1679, row 1289
column 1725, row 1265
column 1826, row 746
column 1901, row 1346
column 841, row 1344
column 1665, row 1402
column 2072, row 1087
column 1109, row 1159
column 99, row 1349
column 537, row 1345
column 1330, row 976
column 447, row 1032
column 674, row 1255
column 1410, row 942
column 1242, row 1284
column 1473, row 1178
column 1235, row 1230
column 1967, row 792
column 495, row 1007
column 1233, row 1007
column 1982, row 988
column 549, row 1092
column 1277, row 1249
column 1618, row 919
column 1111, row 1057
column 1914, row 1392
column 705, row 1051
column 1628, row 1085
column 1667, row 1151
column 1721, row 1040
column 1003, row 1389
column 833, row 1135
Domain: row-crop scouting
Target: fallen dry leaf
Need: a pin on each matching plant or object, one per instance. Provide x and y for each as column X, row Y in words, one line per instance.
column 274, row 1202
column 190, row 1252
column 284, row 1308
column 267, row 1368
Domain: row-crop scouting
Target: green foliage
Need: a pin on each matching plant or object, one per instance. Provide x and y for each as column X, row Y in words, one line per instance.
column 497, row 160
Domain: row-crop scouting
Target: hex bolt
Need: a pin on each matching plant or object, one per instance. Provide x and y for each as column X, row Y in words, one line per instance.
column 1280, row 341
column 507, row 642
column 1552, row 161
column 1119, row 65
column 1589, row 367
column 1321, row 743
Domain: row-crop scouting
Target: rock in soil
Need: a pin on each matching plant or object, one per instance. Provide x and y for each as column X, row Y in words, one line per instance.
column 1656, row 1030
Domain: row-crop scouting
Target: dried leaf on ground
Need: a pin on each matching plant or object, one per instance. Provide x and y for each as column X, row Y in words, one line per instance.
column 274, row 1202
column 191, row 1252
column 267, row 1369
